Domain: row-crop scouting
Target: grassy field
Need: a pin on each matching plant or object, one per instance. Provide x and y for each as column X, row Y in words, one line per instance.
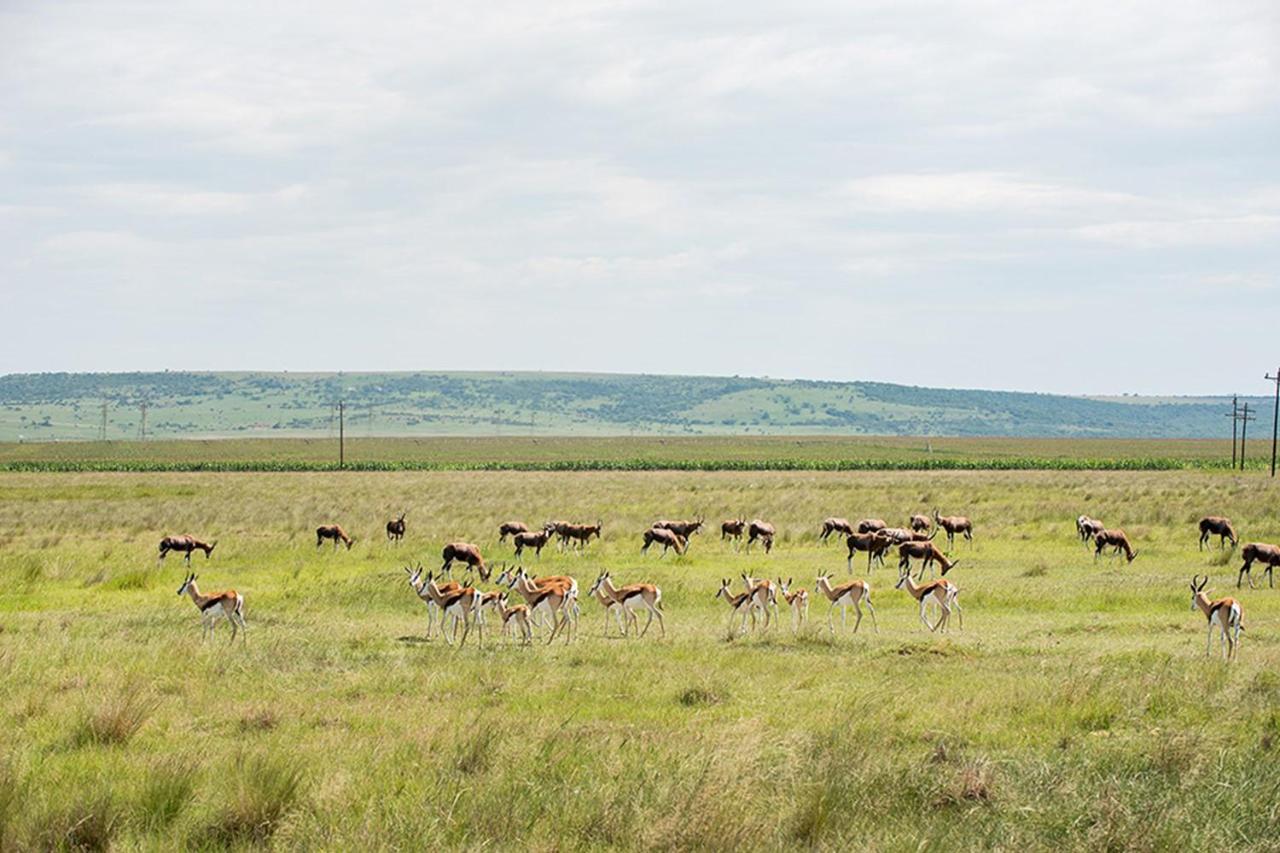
column 1075, row 709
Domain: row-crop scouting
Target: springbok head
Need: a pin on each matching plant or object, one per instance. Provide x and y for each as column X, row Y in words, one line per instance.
column 186, row 583
column 604, row 576
column 1197, row 586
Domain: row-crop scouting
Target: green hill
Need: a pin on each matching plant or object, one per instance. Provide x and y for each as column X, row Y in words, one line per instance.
column 61, row 406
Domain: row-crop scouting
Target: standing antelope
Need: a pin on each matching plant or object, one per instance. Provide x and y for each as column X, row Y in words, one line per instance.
column 954, row 524
column 732, row 529
column 927, row 553
column 798, row 601
column 464, row 552
column 580, row 534
column 610, row 605
column 510, row 528
column 920, row 523
column 873, row 543
column 1267, row 555
column 1087, row 528
column 943, row 592
column 185, row 544
column 334, row 532
column 531, row 588
column 763, row 531
column 537, row 540
column 871, row 525
column 852, row 594
column 1225, row 614
column 229, row 604
column 835, row 525
column 460, row 605
column 765, row 595
column 518, row 614
column 420, row 587
column 631, row 597
column 1216, row 525
column 1116, row 540
column 395, row 528
column 666, row 538
column 740, row 604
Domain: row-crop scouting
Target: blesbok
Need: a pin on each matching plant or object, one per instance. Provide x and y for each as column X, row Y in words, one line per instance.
column 852, row 594
column 664, row 537
column 511, row 528
column 464, row 552
column 1225, row 613
column 1267, row 555
column 898, row 535
column 740, row 604
column 798, row 601
column 765, row 594
column 185, row 544
column 684, row 529
column 1087, row 528
column 1116, row 540
column 517, row 614
column 580, row 534
column 1216, row 525
column 927, row 553
column 763, row 531
column 229, row 604
column 732, row 528
column 871, row 525
column 942, row 592
column 920, row 523
column 631, row 597
column 334, row 532
column 873, row 543
column 954, row 524
column 395, row 528
column 460, row 605
column 537, row 540
column 835, row 525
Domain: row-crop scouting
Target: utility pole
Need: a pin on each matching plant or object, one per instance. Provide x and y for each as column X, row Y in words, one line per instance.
column 142, row 424
column 1245, row 417
column 103, row 433
column 1275, row 419
column 342, row 434
column 1235, row 429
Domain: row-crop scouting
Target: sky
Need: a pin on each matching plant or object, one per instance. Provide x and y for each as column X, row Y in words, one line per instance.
column 1065, row 197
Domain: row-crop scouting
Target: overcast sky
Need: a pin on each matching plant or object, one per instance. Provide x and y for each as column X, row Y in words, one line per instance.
column 1072, row 197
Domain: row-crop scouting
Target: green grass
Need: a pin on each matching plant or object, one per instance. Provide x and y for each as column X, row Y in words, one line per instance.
column 1075, row 709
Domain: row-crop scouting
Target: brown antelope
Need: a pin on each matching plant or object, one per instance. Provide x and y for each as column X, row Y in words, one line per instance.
column 537, row 540
column 954, row 524
column 666, row 538
column 920, row 523
column 684, row 529
column 741, row 604
column 942, row 592
column 732, row 529
column 185, row 544
column 852, row 594
column 464, row 552
column 229, row 604
column 510, row 528
column 926, row 552
column 765, row 594
column 334, row 532
column 517, row 615
column 1116, row 540
column 763, row 531
column 395, row 528
column 798, row 601
column 873, row 543
column 1225, row 614
column 580, row 534
column 1087, row 528
column 1216, row 525
column 1267, row 555
column 460, row 605
column 631, row 597
column 871, row 525
column 835, row 525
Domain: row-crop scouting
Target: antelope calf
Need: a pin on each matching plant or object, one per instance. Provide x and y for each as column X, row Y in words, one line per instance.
column 873, row 543
column 732, row 529
column 1087, row 528
column 395, row 528
column 798, row 601
column 1216, row 525
column 1225, row 614
column 942, row 592
column 511, row 528
column 763, row 531
column 954, row 524
column 664, row 537
column 631, row 597
column 852, row 594
column 1116, row 540
column 927, row 553
column 334, row 532
column 835, row 525
column 464, row 552
column 742, row 604
column 537, row 540
column 229, row 604
column 517, row 615
column 1267, row 555
column 185, row 544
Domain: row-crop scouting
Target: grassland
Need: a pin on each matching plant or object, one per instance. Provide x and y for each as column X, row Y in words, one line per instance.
column 1075, row 709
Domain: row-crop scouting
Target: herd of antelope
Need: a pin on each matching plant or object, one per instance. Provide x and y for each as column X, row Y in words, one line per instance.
column 551, row 603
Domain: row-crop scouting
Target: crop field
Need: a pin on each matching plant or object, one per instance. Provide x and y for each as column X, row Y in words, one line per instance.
column 1076, row 707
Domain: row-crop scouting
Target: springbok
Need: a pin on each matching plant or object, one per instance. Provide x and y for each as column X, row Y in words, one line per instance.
column 464, row 552
column 1087, row 528
column 835, row 525
column 334, row 532
column 531, row 588
column 798, row 601
column 510, row 528
column 610, row 606
column 229, row 604
column 517, row 614
column 554, row 604
column 419, row 586
column 927, row 553
column 1116, row 540
column 1267, row 555
column 873, row 543
column 460, row 605
column 954, row 524
column 871, row 525
column 763, row 531
column 1216, row 525
column 578, row 535
column 765, row 594
column 740, row 604
column 185, row 544
column 732, row 528
column 920, row 523
column 1225, row 614
column 683, row 529
column 943, row 592
column 666, row 538
column 395, row 528
column 852, row 594
column 631, row 597
column 537, row 540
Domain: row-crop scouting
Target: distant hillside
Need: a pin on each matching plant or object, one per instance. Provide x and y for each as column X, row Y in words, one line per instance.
column 70, row 406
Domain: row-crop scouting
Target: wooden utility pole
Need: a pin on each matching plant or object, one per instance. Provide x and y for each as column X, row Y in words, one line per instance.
column 1245, row 417
column 142, row 424
column 342, row 434
column 1235, row 428
column 103, row 433
column 1275, row 419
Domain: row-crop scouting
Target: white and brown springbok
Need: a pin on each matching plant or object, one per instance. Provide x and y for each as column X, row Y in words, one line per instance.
column 334, row 532
column 765, row 594
column 395, row 528
column 920, row 523
column 873, row 543
column 1087, row 528
column 954, row 524
column 798, row 601
column 1267, row 555
column 511, row 528
column 531, row 590
column 535, row 539
column 1225, row 614
column 927, row 553
column 853, row 594
column 460, row 605
column 942, row 592
column 610, row 607
column 229, row 604
column 517, row 615
column 732, row 528
column 1216, row 525
column 835, row 525
column 632, row 597
column 741, row 604
column 419, row 585
column 871, row 525
column 763, row 531
column 185, row 544
column 684, row 529
column 464, row 552
column 666, row 538
column 1114, row 539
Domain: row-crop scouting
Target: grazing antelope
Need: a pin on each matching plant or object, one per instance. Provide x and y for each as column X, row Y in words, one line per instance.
column 1225, row 614
column 580, row 534
column 835, row 525
column 1116, row 540
column 537, row 540
column 898, row 535
column 1087, row 528
column 229, row 604
column 798, row 601
column 510, row 528
column 631, row 597
column 518, row 615
column 185, row 544
column 852, row 594
column 334, row 532
column 926, row 552
column 460, row 605
column 664, row 537
column 1216, row 525
column 765, row 594
column 954, row 524
column 741, row 604
column 683, row 529
column 942, row 592
column 873, row 543
column 732, row 529
column 763, row 531
column 1267, row 555
column 871, row 525
column 464, row 552
column 395, row 528
column 920, row 523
